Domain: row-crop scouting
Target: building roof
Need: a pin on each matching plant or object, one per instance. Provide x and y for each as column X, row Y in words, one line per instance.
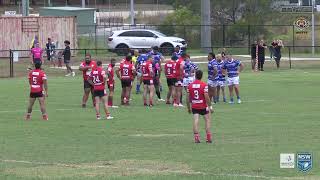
column 69, row 8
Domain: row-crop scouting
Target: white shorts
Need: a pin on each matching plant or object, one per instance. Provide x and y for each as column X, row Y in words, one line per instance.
column 233, row 81
column 221, row 83
column 187, row 81
column 139, row 74
column 178, row 83
column 213, row 83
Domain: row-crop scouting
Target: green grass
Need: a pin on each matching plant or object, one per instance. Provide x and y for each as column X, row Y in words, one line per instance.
column 279, row 114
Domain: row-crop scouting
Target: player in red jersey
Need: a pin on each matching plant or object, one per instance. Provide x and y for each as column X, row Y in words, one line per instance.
column 126, row 73
column 97, row 79
column 147, row 77
column 199, row 103
column 38, row 82
column 170, row 71
column 179, row 76
column 111, row 82
column 86, row 67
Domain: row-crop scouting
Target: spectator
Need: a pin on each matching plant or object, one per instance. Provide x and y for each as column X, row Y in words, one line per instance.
column 261, row 54
column 50, row 49
column 253, row 54
column 271, row 48
column 277, row 52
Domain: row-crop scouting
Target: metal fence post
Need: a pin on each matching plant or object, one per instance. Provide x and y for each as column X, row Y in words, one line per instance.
column 223, row 35
column 11, row 62
column 95, row 38
column 293, row 38
column 249, row 39
column 290, row 56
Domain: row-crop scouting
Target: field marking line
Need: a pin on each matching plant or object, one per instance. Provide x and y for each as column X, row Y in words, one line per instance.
column 20, row 110
column 191, row 172
column 154, row 135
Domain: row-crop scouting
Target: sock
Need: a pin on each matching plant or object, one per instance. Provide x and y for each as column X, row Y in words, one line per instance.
column 109, row 101
column 138, row 88
column 238, row 97
column 224, row 98
column 196, row 137
column 151, row 102
column 161, row 88
column 158, row 94
column 174, row 101
column 231, row 99
column 144, row 101
column 181, row 99
column 209, row 136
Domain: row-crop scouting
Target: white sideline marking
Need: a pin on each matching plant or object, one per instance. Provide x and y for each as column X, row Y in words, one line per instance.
column 155, row 135
column 146, row 169
column 20, row 110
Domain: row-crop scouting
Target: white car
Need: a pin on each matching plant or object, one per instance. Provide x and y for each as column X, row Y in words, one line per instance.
column 121, row 41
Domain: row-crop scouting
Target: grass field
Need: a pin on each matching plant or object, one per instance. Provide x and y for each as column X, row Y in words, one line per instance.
column 279, row 114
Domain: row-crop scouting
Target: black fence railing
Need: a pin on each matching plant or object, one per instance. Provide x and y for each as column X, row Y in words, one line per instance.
column 13, row 63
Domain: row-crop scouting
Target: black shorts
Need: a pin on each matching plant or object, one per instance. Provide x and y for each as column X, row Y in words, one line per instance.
column 171, row 81
column 148, row 82
column 36, row 95
column 37, row 61
column 126, row 83
column 48, row 56
column 156, row 81
column 200, row 111
column 66, row 61
column 86, row 84
column 99, row 93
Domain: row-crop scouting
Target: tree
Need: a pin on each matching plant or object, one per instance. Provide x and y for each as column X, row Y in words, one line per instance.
column 182, row 23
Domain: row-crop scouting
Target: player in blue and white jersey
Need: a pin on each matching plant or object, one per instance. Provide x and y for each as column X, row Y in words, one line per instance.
column 233, row 68
column 177, row 52
column 212, row 76
column 189, row 69
column 221, row 78
column 143, row 57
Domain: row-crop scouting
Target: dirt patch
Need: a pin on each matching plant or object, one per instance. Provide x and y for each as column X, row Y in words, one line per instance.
column 103, row 168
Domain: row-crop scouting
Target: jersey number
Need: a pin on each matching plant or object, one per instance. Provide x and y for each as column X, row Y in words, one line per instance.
column 169, row 71
column 34, row 80
column 125, row 72
column 196, row 94
column 96, row 79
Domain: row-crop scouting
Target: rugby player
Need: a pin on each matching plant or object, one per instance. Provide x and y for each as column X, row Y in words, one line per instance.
column 233, row 68
column 157, row 59
column 188, row 72
column 97, row 79
column 198, row 102
column 143, row 57
column 179, row 76
column 86, row 67
column 38, row 82
column 147, row 76
column 169, row 69
column 111, row 82
column 126, row 73
column 212, row 76
column 221, row 79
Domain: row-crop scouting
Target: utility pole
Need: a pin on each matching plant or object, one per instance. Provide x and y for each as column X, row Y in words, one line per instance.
column 313, row 24
column 25, row 7
column 83, row 3
column 206, row 25
column 132, row 12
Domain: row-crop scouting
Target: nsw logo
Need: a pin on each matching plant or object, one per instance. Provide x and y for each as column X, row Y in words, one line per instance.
column 304, row 161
